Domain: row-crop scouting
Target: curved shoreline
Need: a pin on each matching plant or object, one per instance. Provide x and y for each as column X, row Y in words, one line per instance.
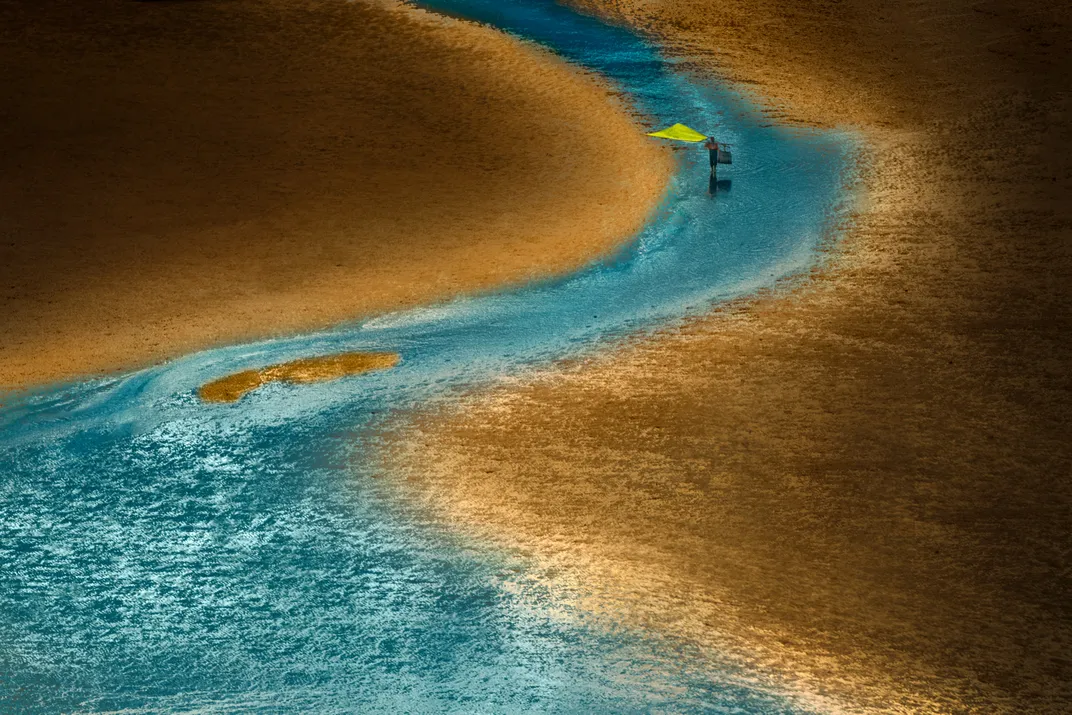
column 319, row 549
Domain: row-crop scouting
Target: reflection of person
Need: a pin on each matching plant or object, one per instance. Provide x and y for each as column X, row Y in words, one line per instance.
column 716, row 185
column 712, row 148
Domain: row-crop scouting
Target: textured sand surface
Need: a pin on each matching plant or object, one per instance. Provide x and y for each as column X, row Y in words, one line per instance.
column 864, row 480
column 177, row 175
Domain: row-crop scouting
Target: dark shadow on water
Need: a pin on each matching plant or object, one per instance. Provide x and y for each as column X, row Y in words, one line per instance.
column 717, row 185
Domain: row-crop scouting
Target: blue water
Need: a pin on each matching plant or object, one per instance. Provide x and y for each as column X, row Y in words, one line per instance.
column 162, row 555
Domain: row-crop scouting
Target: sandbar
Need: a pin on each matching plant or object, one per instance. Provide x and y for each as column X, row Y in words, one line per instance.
column 860, row 479
column 231, row 388
column 179, row 175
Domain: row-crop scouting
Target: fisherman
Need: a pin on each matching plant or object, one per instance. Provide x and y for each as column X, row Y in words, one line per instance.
column 681, row 133
column 712, row 149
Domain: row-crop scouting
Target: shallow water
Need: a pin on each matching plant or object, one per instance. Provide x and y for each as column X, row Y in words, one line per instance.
column 159, row 554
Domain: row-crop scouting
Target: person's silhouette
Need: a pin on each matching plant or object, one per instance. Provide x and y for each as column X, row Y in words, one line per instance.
column 712, row 148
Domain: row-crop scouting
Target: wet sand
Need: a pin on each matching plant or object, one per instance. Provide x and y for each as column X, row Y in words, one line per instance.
column 862, row 480
column 177, row 175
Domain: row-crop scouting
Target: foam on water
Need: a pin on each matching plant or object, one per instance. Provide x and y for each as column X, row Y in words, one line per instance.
column 161, row 554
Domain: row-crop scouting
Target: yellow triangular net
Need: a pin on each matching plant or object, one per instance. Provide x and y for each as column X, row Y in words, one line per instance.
column 679, row 132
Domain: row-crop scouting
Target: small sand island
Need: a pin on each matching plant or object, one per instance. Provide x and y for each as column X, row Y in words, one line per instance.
column 306, row 370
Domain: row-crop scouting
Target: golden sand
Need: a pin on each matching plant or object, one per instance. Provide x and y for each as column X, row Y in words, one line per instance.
column 179, row 175
column 307, row 370
column 861, row 481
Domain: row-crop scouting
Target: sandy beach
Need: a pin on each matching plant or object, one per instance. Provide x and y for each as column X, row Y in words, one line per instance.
column 180, row 175
column 861, row 480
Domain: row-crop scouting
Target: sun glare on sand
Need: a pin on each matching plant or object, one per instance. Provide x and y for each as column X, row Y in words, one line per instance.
column 306, row 370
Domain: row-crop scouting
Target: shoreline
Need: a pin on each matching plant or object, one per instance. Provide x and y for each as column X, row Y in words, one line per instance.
column 865, row 473
column 254, row 193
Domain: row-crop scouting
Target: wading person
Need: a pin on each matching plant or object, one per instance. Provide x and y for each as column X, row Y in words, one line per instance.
column 712, row 148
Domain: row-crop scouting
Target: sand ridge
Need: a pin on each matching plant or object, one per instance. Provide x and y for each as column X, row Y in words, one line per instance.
column 180, row 175
column 323, row 368
column 862, row 477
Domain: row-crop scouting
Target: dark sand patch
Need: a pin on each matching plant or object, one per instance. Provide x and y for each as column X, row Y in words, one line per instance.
column 865, row 482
